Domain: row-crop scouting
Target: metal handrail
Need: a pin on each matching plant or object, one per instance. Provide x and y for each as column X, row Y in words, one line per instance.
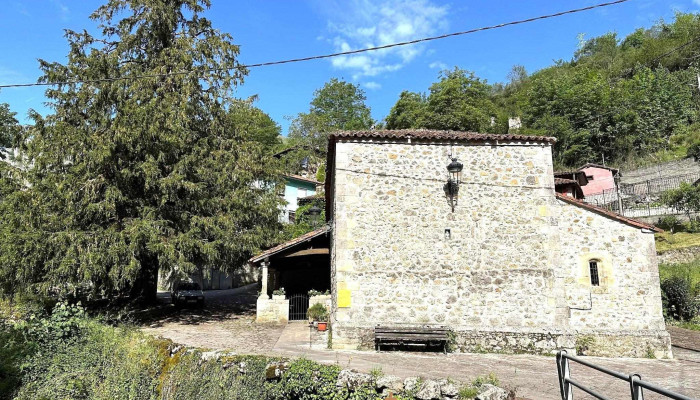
column 566, row 384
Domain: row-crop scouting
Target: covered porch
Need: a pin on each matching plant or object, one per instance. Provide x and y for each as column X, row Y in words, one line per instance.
column 288, row 272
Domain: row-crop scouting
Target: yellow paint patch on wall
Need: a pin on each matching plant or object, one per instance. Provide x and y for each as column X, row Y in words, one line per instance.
column 344, row 296
column 346, row 266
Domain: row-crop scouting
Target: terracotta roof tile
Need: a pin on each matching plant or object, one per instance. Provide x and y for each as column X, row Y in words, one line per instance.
column 606, row 213
column 288, row 244
column 561, row 181
column 424, row 134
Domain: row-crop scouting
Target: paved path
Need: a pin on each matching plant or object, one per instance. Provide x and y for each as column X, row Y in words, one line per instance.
column 534, row 377
column 227, row 322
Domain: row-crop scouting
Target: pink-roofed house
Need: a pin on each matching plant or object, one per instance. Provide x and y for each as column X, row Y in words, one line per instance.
column 600, row 178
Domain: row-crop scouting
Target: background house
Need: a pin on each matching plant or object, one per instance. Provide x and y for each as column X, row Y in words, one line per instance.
column 600, row 178
column 296, row 187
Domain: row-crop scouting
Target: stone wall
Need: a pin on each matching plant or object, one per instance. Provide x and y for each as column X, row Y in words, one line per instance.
column 505, row 268
column 679, row 256
column 685, row 166
column 275, row 309
column 629, row 295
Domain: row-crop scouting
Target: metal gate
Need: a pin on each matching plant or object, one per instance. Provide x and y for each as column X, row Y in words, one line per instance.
column 298, row 306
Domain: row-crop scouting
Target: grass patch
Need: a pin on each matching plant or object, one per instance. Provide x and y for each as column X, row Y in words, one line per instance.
column 689, row 271
column 66, row 354
column 471, row 390
column 666, row 241
column 693, row 325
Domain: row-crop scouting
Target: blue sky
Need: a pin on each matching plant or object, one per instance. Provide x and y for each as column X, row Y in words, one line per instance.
column 277, row 29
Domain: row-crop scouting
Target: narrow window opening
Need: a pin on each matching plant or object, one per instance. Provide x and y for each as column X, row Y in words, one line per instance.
column 593, row 267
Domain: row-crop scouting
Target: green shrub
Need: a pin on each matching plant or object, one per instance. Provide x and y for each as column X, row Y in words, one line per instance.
column 105, row 363
column 677, row 299
column 14, row 350
column 305, row 380
column 694, row 151
column 670, row 223
column 318, row 312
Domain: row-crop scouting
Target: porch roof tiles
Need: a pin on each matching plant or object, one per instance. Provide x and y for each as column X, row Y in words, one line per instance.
column 289, row 244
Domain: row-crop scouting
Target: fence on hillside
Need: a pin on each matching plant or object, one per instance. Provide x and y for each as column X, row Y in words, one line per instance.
column 641, row 199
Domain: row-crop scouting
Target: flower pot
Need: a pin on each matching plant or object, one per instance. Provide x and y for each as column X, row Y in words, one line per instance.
column 322, row 326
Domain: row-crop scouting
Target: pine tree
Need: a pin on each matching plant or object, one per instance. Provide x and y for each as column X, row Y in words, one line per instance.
column 131, row 176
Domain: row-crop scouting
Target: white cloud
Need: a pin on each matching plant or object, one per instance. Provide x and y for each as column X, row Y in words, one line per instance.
column 372, row 85
column 438, row 65
column 63, row 9
column 364, row 23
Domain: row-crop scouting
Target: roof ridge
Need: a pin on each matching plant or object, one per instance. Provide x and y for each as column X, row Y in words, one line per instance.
column 438, row 134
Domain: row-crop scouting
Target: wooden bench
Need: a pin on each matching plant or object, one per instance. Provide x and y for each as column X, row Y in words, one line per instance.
column 405, row 335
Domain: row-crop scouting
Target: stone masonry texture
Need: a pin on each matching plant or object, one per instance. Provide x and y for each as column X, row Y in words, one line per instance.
column 512, row 276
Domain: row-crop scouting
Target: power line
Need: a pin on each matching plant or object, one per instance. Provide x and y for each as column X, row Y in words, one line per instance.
column 319, row 57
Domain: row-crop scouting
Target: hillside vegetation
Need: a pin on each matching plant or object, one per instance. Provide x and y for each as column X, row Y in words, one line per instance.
column 617, row 99
column 61, row 352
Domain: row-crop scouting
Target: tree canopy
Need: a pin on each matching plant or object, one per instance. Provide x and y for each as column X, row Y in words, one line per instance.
column 338, row 105
column 9, row 126
column 458, row 101
column 616, row 99
column 133, row 175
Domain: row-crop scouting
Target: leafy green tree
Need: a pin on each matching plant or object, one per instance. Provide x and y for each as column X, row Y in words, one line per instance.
column 685, row 198
column 149, row 172
column 458, row 101
column 461, row 101
column 338, row 105
column 253, row 123
column 9, row 132
column 616, row 100
column 408, row 112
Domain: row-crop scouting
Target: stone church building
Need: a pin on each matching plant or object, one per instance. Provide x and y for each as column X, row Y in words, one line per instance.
column 494, row 254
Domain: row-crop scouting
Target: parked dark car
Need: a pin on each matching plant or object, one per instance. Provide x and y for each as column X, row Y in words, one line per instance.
column 187, row 293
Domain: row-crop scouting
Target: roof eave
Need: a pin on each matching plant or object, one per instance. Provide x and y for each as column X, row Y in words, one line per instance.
column 609, row 214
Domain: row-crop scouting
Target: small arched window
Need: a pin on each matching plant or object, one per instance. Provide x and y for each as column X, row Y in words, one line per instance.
column 593, row 268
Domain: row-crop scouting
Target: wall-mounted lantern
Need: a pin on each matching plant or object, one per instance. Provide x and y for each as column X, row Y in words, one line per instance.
column 454, row 178
column 314, row 213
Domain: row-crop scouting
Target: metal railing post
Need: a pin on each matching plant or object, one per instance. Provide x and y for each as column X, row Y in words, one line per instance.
column 567, row 389
column 559, row 372
column 636, row 390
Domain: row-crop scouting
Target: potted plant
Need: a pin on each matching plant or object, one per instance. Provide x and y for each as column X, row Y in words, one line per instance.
column 278, row 294
column 319, row 315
